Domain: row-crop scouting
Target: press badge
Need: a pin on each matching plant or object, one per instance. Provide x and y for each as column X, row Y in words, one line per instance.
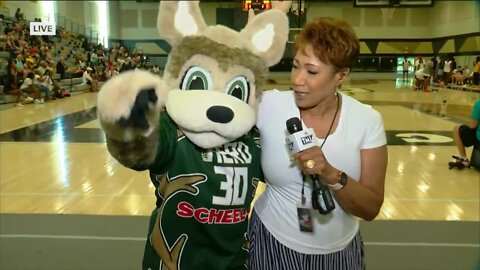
column 305, row 219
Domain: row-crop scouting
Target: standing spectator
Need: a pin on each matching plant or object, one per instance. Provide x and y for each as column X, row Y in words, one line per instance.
column 447, row 70
column 62, row 68
column 406, row 65
column 439, row 70
column 419, row 63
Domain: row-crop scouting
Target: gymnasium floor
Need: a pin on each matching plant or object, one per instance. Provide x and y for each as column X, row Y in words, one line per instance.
column 62, row 196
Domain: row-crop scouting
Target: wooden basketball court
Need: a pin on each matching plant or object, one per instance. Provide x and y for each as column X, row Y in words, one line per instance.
column 53, row 158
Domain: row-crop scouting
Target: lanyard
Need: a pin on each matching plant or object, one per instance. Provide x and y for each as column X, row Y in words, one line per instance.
column 321, row 189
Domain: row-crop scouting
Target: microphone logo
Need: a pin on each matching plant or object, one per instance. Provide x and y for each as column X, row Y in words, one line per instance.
column 307, row 139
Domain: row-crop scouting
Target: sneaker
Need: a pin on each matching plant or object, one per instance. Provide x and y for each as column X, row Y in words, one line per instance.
column 459, row 162
column 39, row 101
column 465, row 162
column 18, row 105
column 28, row 99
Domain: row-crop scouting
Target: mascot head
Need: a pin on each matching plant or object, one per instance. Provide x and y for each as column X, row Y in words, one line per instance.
column 214, row 75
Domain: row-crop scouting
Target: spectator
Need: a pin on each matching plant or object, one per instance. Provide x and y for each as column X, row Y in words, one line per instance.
column 28, row 86
column 62, row 69
column 406, row 65
column 19, row 15
column 466, row 136
column 12, row 87
column 422, row 79
column 43, row 84
column 87, row 79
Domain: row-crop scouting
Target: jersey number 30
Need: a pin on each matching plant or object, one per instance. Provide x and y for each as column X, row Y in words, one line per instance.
column 235, row 187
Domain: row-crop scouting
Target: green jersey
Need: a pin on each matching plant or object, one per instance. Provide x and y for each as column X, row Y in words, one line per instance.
column 203, row 200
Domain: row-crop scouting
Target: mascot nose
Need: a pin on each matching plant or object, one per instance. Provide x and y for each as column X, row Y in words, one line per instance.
column 220, row 114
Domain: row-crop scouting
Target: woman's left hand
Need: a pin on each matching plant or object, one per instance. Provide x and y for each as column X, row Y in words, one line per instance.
column 312, row 161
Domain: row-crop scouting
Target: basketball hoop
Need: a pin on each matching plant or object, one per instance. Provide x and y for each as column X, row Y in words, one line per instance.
column 387, row 13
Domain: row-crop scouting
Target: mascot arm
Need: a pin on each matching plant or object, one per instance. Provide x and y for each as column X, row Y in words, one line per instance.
column 129, row 108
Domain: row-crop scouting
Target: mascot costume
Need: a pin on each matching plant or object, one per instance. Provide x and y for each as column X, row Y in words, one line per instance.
column 193, row 129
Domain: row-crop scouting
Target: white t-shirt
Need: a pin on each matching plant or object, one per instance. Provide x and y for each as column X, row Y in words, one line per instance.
column 47, row 81
column 359, row 127
column 86, row 77
column 448, row 66
column 421, row 74
column 27, row 82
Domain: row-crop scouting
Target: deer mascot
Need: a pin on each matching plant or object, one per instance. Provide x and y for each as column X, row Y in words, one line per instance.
column 193, row 129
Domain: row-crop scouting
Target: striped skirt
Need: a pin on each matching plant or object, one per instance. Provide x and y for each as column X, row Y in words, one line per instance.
column 267, row 253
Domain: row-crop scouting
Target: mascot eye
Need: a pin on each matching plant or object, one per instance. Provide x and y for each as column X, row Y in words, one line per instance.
column 196, row 78
column 239, row 88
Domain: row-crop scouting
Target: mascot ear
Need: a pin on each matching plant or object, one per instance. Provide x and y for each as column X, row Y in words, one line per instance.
column 177, row 19
column 268, row 34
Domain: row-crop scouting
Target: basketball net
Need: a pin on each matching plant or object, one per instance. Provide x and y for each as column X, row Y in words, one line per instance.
column 387, row 13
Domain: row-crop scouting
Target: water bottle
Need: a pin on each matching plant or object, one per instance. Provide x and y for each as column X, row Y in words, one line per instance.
column 443, row 107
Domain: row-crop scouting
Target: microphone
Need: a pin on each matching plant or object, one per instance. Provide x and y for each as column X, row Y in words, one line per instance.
column 300, row 140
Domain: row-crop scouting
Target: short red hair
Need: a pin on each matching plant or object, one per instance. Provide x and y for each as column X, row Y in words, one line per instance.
column 333, row 40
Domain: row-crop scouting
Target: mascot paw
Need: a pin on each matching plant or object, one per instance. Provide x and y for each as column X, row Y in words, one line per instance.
column 129, row 104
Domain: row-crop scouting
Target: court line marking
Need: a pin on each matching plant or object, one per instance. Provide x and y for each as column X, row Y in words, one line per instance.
column 475, row 200
column 420, row 244
column 142, row 239
column 74, row 237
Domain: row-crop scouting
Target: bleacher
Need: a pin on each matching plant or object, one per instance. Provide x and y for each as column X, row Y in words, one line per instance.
column 65, row 48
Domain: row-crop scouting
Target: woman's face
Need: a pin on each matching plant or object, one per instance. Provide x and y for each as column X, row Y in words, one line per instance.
column 312, row 79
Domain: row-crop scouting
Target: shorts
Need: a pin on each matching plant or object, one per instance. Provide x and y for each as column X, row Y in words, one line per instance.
column 468, row 135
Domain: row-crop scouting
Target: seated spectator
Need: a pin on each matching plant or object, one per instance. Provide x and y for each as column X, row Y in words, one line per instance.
column 44, row 83
column 467, row 135
column 87, row 79
column 458, row 77
column 22, row 68
column 76, row 72
column 19, row 15
column 29, row 87
column 42, row 68
column 127, row 65
column 41, row 82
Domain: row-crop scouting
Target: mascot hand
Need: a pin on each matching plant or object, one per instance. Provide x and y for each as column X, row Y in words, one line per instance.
column 129, row 105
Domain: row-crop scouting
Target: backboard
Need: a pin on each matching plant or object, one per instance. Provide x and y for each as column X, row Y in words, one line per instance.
column 393, row 3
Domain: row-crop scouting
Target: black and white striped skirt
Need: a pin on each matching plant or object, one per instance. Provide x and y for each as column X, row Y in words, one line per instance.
column 266, row 253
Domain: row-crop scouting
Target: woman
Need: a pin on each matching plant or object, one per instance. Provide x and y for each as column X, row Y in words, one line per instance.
column 12, row 86
column 350, row 156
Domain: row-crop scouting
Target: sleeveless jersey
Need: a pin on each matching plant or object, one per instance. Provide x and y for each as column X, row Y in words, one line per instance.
column 203, row 200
